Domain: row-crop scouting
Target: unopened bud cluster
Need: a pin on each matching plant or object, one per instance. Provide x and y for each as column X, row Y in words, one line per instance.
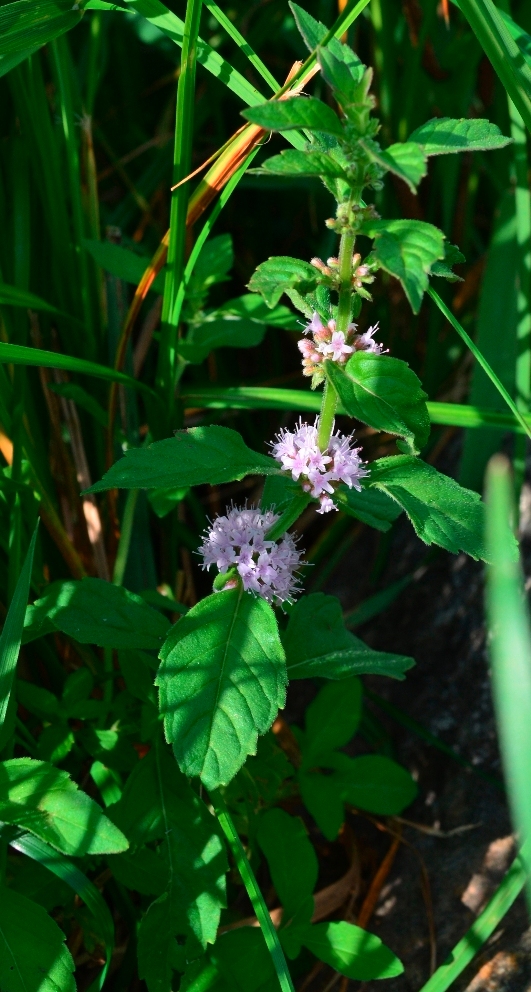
column 326, row 342
column 361, row 274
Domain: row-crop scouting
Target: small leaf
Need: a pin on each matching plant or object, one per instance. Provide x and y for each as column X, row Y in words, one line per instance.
column 243, row 962
column 222, row 681
column 291, row 858
column 323, row 799
column 343, row 74
column 224, row 332
column 144, row 870
column 305, row 112
column 384, row 393
column 452, row 256
column 352, row 951
column 96, row 612
column 331, row 719
column 251, row 306
column 297, row 163
column 380, row 512
column 441, row 511
column 277, row 274
column 33, row 954
column 192, row 458
column 443, row 135
column 46, row 801
column 312, row 31
column 405, row 159
column 122, row 262
column 407, row 249
column 372, row 782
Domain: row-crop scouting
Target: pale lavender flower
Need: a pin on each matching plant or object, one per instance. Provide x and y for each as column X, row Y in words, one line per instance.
column 238, row 540
column 325, row 342
column 298, row 452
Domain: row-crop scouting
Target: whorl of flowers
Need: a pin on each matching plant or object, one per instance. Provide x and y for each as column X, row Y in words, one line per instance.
column 327, row 343
column 298, row 452
column 238, row 540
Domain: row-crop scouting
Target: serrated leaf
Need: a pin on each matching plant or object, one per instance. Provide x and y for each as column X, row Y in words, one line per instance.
column 224, row 332
column 384, row 393
column 445, row 135
column 45, row 801
column 93, row 611
column 222, row 681
column 452, row 256
column 407, row 250
column 342, row 74
column 292, row 861
column 33, row 954
column 277, row 274
column 352, row 951
column 405, row 159
column 192, row 458
column 441, row 511
column 305, row 112
column 379, row 512
column 297, row 163
column 318, row 645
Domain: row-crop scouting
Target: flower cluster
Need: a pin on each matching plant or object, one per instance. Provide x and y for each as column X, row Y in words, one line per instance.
column 298, row 452
column 327, row 343
column 239, row 540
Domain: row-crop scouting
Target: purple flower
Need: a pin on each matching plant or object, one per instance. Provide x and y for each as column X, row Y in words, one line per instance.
column 326, row 342
column 266, row 568
column 298, row 452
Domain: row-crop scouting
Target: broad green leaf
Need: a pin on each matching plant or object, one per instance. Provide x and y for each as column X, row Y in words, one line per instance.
column 443, row 135
column 441, row 511
column 96, row 612
column 33, row 953
column 226, row 331
column 19, row 354
column 45, row 801
column 121, row 262
column 251, row 306
column 243, row 963
column 222, row 681
column 192, row 458
column 196, row 865
column 292, row 162
column 407, row 250
column 292, row 861
column 343, row 75
column 372, row 782
column 352, row 951
column 314, row 32
column 70, row 874
column 28, row 24
column 379, row 512
column 144, row 870
column 284, row 115
column 10, row 641
column 452, row 256
column 510, row 651
column 317, row 645
column 55, row 742
column 405, row 159
column 384, row 393
column 281, row 273
column 331, row 719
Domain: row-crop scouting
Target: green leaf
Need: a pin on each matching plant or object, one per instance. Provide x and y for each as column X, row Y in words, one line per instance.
column 10, row 641
column 46, row 801
column 452, row 256
column 379, row 512
column 298, row 163
column 441, row 511
column 323, row 799
column 28, row 24
column 191, row 458
column 14, row 297
column 443, row 135
column 352, row 951
column 144, row 870
column 317, row 645
column 251, row 306
column 242, row 962
column 372, row 782
column 19, row 354
column 222, row 681
column 196, row 863
column 280, row 273
column 223, row 332
column 121, row 262
column 384, row 393
column 93, row 611
column 305, row 112
column 291, row 858
column 33, row 954
column 331, row 719
column 405, row 159
column 83, row 399
column 42, row 854
column 407, row 250
column 343, row 74
column 312, row 31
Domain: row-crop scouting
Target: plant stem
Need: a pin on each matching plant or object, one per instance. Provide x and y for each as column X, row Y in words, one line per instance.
column 326, row 416
column 125, row 537
column 253, row 891
column 346, row 248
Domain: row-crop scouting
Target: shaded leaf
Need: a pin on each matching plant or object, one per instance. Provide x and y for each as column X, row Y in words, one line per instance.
column 372, row 782
column 10, row 641
column 380, row 512
column 452, row 256
column 223, row 332
column 243, row 962
column 280, row 273
column 332, row 718
column 291, row 858
column 122, row 262
column 33, row 954
column 222, row 681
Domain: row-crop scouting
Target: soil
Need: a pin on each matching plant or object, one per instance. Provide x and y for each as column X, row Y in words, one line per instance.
column 439, row 621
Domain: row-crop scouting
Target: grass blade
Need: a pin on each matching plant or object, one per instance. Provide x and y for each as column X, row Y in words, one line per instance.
column 243, row 45
column 21, row 355
column 11, row 638
column 510, row 651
